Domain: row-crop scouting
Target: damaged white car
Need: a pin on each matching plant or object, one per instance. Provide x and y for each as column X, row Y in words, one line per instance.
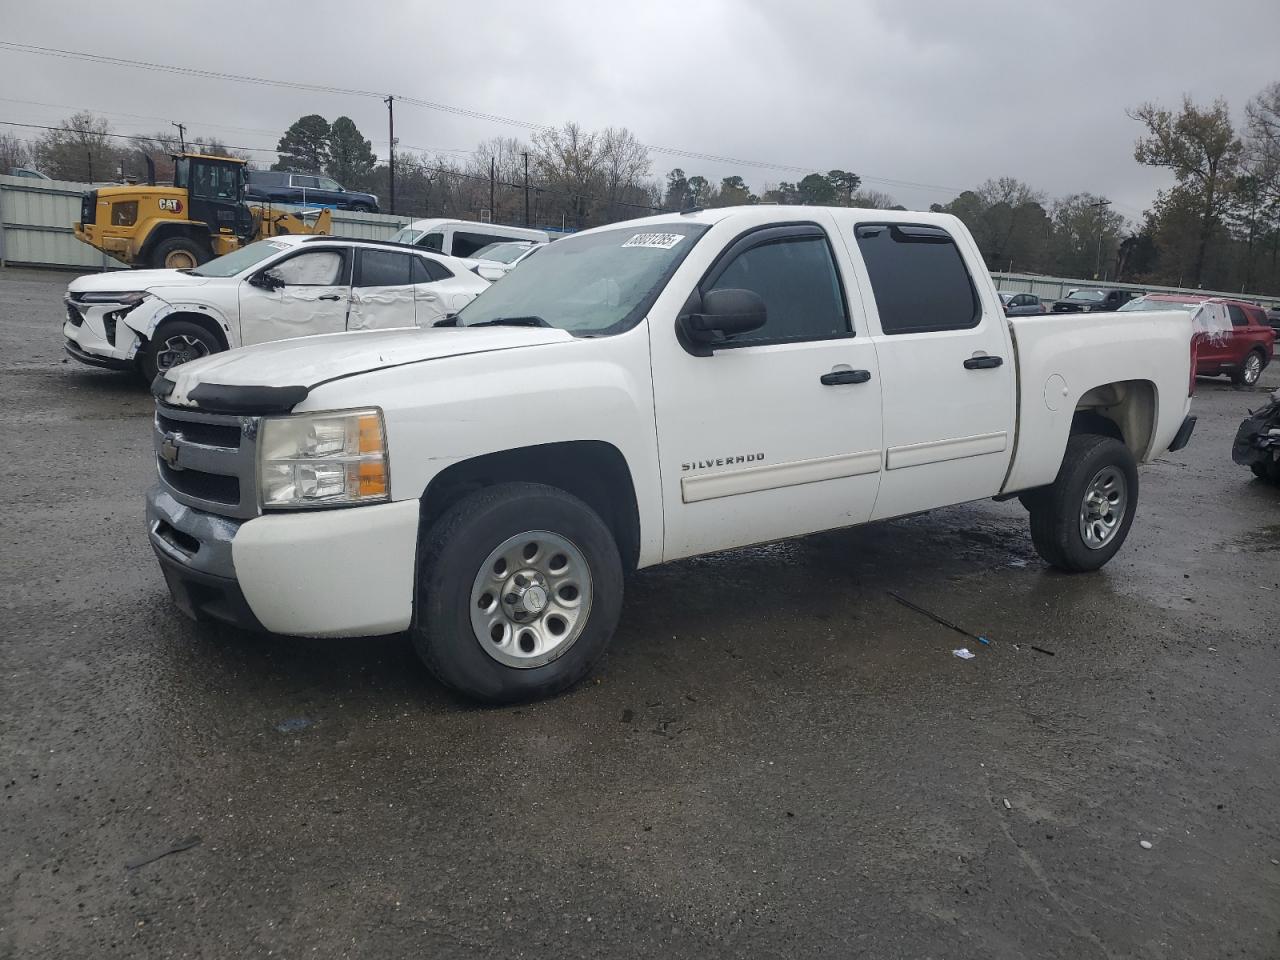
column 277, row 289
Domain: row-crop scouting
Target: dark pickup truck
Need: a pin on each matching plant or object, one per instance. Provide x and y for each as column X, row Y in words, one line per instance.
column 1093, row 301
column 282, row 186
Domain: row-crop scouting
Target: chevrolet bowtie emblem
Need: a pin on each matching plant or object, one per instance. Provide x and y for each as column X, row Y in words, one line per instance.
column 169, row 450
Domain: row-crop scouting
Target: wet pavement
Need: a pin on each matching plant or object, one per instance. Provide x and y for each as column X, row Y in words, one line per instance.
column 776, row 758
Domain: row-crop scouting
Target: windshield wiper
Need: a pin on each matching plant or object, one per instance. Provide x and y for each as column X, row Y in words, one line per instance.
column 529, row 321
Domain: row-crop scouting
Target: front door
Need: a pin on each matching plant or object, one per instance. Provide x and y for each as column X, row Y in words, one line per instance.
column 382, row 296
column 777, row 433
column 313, row 299
column 214, row 191
column 947, row 366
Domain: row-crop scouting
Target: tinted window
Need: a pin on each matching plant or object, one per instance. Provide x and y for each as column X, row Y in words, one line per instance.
column 214, row 181
column 428, row 271
column 309, row 183
column 919, row 279
column 327, row 184
column 432, row 241
column 1238, row 317
column 383, row 268
column 796, row 279
column 319, row 268
column 465, row 244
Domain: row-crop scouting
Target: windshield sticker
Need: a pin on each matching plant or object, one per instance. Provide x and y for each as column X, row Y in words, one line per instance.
column 656, row 241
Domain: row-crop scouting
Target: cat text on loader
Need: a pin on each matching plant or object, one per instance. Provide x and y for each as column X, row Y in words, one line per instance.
column 202, row 216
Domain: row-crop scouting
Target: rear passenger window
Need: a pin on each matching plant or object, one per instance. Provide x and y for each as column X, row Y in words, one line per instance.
column 796, row 278
column 428, row 271
column 383, row 268
column 1238, row 317
column 919, row 279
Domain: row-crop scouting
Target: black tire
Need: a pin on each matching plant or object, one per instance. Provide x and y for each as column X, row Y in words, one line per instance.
column 452, row 553
column 1241, row 376
column 168, row 336
column 176, row 248
column 1056, row 516
column 1268, row 470
column 361, row 208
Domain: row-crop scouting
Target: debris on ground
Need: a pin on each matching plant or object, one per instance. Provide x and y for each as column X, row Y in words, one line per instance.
column 1145, row 844
column 1007, row 804
column 293, row 724
column 964, row 653
column 1047, row 653
column 178, row 847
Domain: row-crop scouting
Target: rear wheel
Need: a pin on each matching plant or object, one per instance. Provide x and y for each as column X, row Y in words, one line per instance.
column 175, row 343
column 520, row 588
column 361, row 208
column 1250, row 370
column 179, row 253
column 1083, row 517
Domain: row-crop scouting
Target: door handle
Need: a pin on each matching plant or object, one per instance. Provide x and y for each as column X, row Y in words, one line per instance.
column 983, row 363
column 845, row 376
column 329, row 296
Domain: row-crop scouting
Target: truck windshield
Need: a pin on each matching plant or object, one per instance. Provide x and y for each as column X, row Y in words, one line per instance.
column 1088, row 296
column 408, row 235
column 239, row 260
column 591, row 285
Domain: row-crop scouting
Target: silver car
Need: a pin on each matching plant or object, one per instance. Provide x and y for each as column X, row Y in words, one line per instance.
column 1022, row 304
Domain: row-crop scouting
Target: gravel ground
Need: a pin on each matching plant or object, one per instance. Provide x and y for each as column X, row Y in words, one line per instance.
column 776, row 759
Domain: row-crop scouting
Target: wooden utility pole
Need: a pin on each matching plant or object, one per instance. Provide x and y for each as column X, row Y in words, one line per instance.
column 492, row 174
column 391, row 155
column 527, row 223
column 182, row 134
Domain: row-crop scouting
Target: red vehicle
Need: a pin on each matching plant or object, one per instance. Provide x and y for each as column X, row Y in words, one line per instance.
column 1242, row 354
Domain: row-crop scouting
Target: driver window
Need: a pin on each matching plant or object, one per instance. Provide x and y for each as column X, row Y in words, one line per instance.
column 796, row 278
column 319, row 268
column 433, row 241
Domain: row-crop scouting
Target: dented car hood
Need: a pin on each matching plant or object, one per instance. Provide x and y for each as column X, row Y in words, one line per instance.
column 273, row 376
column 120, row 281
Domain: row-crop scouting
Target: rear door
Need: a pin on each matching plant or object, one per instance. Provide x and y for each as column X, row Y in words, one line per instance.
column 777, row 432
column 946, row 366
column 382, row 293
column 314, row 297
column 437, row 291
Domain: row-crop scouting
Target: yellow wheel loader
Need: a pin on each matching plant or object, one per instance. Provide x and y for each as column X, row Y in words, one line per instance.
column 202, row 216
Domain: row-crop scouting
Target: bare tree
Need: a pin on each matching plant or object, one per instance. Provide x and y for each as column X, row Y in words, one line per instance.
column 624, row 164
column 571, row 161
column 81, row 148
column 13, row 152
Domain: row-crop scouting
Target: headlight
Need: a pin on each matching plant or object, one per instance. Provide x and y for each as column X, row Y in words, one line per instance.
column 130, row 298
column 323, row 459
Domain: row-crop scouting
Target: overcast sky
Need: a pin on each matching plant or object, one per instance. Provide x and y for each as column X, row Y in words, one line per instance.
column 940, row 94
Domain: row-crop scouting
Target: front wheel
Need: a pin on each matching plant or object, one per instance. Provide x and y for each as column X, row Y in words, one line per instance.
column 520, row 589
column 179, row 253
column 1081, row 520
column 175, row 343
column 361, row 208
column 1250, row 370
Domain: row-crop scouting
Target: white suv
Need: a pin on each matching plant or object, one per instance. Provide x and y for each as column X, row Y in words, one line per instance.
column 274, row 289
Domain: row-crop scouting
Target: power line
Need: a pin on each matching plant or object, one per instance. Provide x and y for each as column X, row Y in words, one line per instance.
column 431, row 105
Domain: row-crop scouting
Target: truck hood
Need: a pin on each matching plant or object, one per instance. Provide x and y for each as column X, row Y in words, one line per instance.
column 121, row 281
column 269, row 377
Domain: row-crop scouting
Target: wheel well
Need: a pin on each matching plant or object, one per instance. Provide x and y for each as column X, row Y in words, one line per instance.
column 1125, row 410
column 592, row 470
column 200, row 320
column 166, row 231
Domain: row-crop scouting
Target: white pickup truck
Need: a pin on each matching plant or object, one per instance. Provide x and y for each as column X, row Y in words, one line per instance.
column 632, row 395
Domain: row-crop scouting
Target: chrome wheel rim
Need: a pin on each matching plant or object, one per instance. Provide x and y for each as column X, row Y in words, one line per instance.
column 530, row 599
column 1252, row 369
column 178, row 349
column 1102, row 510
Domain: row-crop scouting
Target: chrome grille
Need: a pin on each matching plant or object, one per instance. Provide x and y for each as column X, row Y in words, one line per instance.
column 208, row 460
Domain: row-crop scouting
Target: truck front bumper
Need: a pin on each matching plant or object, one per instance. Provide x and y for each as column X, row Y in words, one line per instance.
column 320, row 573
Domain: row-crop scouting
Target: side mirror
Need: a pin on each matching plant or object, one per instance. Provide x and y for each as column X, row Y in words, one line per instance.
column 267, row 280
column 724, row 314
